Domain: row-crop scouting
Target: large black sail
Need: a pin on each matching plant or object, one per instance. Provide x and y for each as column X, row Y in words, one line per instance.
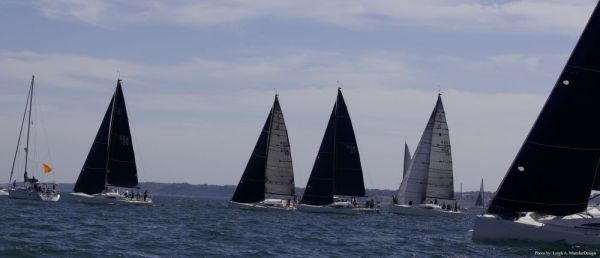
column 555, row 170
column 251, row 187
column 122, row 170
column 319, row 189
column 348, row 177
column 92, row 178
column 337, row 169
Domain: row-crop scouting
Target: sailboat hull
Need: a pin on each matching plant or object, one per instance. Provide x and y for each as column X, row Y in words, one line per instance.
column 108, row 198
column 3, row 193
column 420, row 210
column 260, row 206
column 30, row 194
column 571, row 231
column 336, row 209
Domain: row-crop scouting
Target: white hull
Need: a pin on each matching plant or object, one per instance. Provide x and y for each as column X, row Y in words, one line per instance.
column 3, row 193
column 334, row 209
column 418, row 210
column 30, row 194
column 259, row 206
column 572, row 230
column 108, row 198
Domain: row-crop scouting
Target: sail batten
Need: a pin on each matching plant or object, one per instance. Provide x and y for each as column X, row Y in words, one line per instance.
column 566, row 120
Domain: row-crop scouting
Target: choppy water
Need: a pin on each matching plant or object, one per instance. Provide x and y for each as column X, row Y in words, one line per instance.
column 180, row 227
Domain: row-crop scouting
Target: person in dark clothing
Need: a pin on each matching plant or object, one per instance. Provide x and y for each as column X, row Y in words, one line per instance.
column 145, row 194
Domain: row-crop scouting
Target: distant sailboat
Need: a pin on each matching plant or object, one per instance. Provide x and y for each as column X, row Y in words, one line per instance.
column 428, row 186
column 480, row 202
column 31, row 189
column 337, row 171
column 111, row 161
column 269, row 170
column 545, row 194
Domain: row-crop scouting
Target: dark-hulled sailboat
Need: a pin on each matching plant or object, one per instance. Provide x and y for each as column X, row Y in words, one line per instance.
column 269, row 172
column 110, row 164
column 428, row 186
column 337, row 171
column 545, row 193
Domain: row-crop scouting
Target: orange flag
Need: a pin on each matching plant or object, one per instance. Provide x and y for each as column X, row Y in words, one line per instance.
column 47, row 168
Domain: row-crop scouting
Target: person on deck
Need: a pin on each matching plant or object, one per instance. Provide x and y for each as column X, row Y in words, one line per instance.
column 145, row 194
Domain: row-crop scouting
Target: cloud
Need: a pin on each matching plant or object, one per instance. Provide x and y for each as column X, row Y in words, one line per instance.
column 551, row 16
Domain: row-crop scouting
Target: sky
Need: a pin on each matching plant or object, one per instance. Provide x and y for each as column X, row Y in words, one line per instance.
column 199, row 78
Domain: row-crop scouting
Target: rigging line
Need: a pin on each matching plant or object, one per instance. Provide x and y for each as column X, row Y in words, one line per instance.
column 563, row 147
column 19, row 139
column 29, row 122
column 583, row 68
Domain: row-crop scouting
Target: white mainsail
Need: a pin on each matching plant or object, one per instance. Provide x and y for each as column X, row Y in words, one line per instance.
column 440, row 182
column 279, row 174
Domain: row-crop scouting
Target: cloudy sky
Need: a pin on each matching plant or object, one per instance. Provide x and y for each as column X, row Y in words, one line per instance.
column 199, row 78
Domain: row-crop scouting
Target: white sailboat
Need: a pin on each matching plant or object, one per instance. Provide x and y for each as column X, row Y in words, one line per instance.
column 545, row 194
column 32, row 188
column 268, row 180
column 110, row 166
column 336, row 179
column 428, row 186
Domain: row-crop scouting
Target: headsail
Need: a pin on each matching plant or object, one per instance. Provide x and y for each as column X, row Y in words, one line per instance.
column 414, row 184
column 279, row 175
column 407, row 159
column 337, row 169
column 122, row 170
column 562, row 150
column 348, row 177
column 480, row 198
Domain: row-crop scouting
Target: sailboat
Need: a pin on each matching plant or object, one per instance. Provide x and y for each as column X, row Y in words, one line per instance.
column 545, row 194
column 480, row 202
column 269, row 171
column 110, row 164
column 336, row 178
column 32, row 188
column 428, row 186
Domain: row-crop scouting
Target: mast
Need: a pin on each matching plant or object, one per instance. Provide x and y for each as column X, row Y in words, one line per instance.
column 12, row 169
column 28, row 125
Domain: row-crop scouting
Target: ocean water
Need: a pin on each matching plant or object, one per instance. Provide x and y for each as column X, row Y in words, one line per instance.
column 195, row 227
